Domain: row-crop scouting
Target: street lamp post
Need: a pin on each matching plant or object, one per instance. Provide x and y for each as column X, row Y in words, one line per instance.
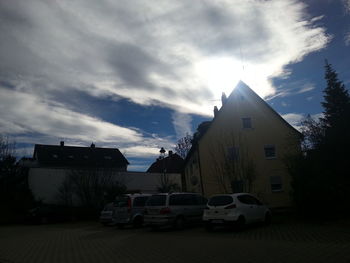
column 164, row 180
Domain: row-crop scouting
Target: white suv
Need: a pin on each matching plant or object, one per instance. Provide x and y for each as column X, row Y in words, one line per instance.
column 235, row 209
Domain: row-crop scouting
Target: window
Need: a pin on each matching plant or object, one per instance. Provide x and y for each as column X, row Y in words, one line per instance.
column 270, row 151
column 233, row 153
column 108, row 157
column 276, row 183
column 71, row 157
column 55, row 156
column 247, row 123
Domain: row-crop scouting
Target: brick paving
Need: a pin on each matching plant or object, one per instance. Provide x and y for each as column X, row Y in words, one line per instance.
column 90, row 242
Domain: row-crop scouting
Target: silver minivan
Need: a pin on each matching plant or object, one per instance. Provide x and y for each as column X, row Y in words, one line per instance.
column 174, row 209
column 129, row 209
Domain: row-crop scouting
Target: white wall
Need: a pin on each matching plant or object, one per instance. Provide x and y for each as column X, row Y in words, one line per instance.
column 45, row 182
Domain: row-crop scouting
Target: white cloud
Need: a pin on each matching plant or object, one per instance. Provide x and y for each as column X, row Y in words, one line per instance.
column 292, row 88
column 177, row 54
column 51, row 122
column 295, row 119
column 182, row 124
column 347, row 39
column 148, row 53
column 284, row 104
column 347, row 5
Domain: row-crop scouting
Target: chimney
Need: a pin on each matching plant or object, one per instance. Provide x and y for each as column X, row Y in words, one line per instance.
column 223, row 98
column 216, row 111
column 170, row 153
column 92, row 145
column 62, row 143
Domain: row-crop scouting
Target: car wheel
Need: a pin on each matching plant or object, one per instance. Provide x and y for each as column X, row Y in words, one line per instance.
column 209, row 226
column 179, row 223
column 267, row 220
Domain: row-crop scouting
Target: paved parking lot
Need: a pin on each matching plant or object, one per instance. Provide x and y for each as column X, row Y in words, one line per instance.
column 90, row 242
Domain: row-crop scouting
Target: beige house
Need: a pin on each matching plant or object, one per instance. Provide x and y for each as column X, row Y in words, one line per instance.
column 243, row 150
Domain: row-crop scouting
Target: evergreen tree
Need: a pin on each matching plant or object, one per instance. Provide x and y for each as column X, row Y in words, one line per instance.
column 336, row 100
column 321, row 178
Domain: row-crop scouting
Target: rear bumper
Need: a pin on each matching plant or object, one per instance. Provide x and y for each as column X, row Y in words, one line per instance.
column 150, row 220
column 220, row 219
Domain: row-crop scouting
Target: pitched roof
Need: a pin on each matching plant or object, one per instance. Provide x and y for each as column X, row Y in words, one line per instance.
column 171, row 164
column 72, row 156
column 242, row 88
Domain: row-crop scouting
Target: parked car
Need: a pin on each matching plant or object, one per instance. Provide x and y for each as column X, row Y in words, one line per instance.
column 174, row 209
column 235, row 209
column 106, row 217
column 129, row 209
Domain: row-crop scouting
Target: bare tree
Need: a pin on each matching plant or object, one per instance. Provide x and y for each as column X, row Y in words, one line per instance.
column 232, row 165
column 166, row 184
column 7, row 147
column 184, row 145
column 93, row 187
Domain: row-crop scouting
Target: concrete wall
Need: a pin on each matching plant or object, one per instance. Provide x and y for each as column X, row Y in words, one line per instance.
column 45, row 182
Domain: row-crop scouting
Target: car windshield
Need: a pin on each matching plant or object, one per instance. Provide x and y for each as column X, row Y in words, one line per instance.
column 156, row 200
column 121, row 201
column 220, row 200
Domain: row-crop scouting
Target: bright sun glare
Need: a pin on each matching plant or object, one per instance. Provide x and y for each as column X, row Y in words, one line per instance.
column 220, row 74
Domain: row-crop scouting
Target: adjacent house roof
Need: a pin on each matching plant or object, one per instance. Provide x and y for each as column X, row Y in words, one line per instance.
column 72, row 156
column 170, row 164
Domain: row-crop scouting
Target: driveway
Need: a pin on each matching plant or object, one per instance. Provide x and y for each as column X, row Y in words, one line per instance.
column 90, row 242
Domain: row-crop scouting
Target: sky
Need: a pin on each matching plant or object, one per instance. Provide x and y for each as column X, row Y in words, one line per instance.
column 138, row 75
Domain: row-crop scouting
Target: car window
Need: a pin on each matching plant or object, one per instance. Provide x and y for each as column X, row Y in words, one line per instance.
column 156, row 200
column 121, row 201
column 176, row 200
column 220, row 200
column 189, row 199
column 247, row 199
column 140, row 201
